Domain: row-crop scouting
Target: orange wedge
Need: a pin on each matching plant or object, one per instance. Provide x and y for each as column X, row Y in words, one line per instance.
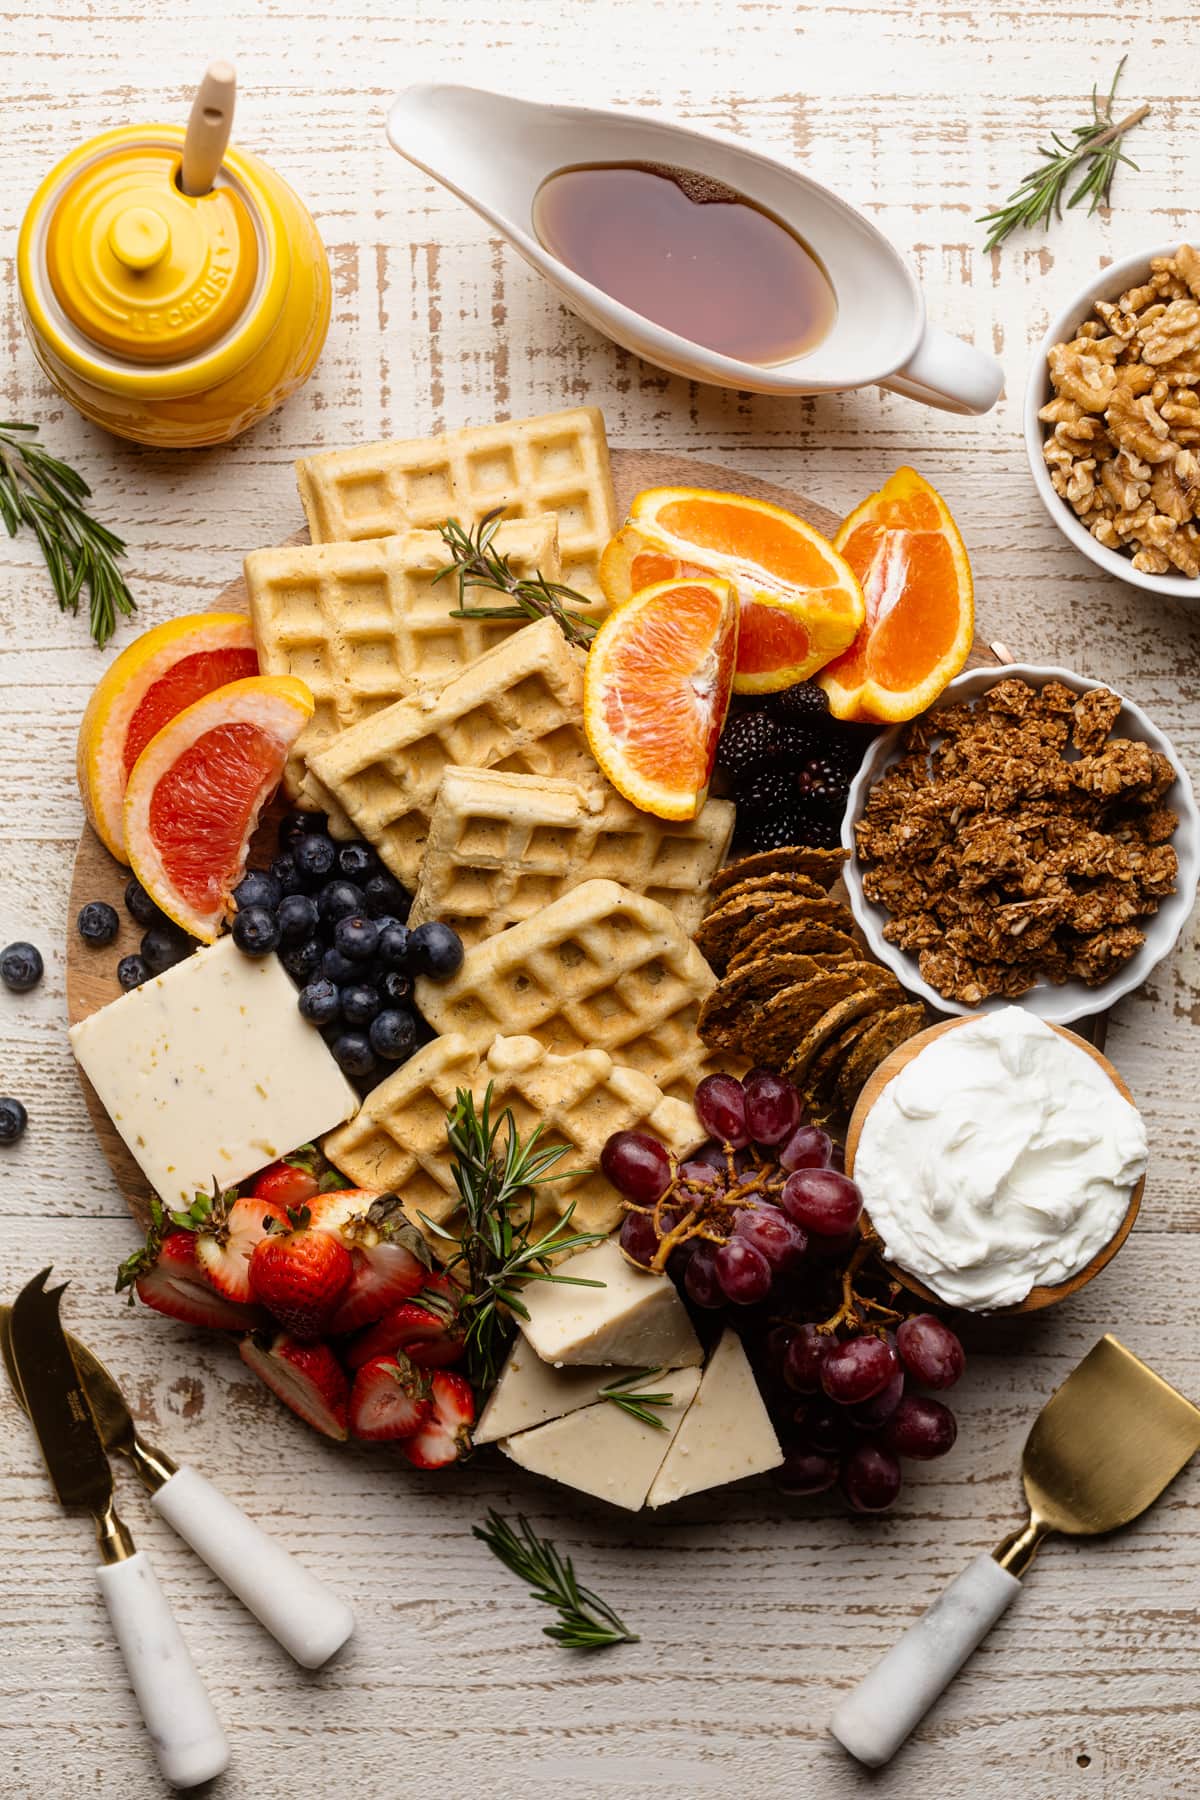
column 656, row 691
column 800, row 602
column 196, row 791
column 159, row 674
column 906, row 550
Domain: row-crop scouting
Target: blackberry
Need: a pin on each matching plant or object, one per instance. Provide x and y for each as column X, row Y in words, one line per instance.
column 748, row 743
column 794, row 826
column 770, row 791
column 823, row 780
column 804, row 704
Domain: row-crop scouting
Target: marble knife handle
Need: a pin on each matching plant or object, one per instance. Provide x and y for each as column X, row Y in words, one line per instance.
column 306, row 1617
column 185, row 1731
column 875, row 1719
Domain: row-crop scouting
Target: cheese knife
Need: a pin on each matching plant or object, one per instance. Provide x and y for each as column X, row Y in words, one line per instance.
column 301, row 1613
column 187, row 1736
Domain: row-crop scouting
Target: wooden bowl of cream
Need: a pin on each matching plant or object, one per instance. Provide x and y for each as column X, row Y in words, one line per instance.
column 1038, row 1296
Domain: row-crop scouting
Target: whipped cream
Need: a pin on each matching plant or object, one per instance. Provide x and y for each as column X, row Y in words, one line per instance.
column 1000, row 1158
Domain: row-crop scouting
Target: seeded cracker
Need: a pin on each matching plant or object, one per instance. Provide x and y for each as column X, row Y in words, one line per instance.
column 800, row 937
column 772, row 887
column 841, row 1014
column 884, row 1033
column 737, row 995
column 772, row 1033
column 786, row 912
column 820, row 1079
column 823, row 865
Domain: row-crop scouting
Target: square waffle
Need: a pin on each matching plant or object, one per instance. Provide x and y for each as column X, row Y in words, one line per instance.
column 557, row 464
column 503, row 846
column 520, row 708
column 600, row 967
column 397, row 1141
column 365, row 625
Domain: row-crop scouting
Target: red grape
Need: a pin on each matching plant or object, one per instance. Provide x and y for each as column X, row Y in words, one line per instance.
column 870, row 1477
column 637, row 1165
column 806, row 1472
column 821, row 1425
column 825, row 1203
column 703, row 1174
column 803, row 1358
column 832, row 1249
column 920, row 1428
column 710, row 1154
column 874, row 1413
column 772, row 1106
column 778, row 1339
column 807, row 1148
column 743, row 1272
column 930, row 1351
column 858, row 1369
column 721, row 1108
column 700, row 1277
column 772, row 1234
column 639, row 1240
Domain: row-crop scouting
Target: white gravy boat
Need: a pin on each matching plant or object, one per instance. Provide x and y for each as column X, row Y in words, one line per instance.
column 494, row 152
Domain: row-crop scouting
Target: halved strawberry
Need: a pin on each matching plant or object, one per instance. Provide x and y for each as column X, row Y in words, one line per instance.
column 226, row 1242
column 390, row 1399
column 391, row 1261
column 300, row 1276
column 308, row 1378
column 286, row 1184
column 446, row 1436
column 429, row 1336
column 174, row 1283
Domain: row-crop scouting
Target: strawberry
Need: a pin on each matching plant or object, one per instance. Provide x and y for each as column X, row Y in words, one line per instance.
column 171, row 1281
column 225, row 1241
column 428, row 1336
column 446, row 1437
column 306, row 1377
column 390, row 1399
column 285, row 1184
column 300, row 1276
column 389, row 1255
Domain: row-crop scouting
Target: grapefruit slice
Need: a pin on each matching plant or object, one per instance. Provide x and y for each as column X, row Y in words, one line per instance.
column 196, row 791
column 159, row 674
column 800, row 602
column 656, row 690
column 906, row 550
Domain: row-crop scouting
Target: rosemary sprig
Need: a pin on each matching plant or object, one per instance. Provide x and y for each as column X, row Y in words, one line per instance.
column 1095, row 148
column 585, row 1621
column 477, row 563
column 39, row 491
column 497, row 1177
column 638, row 1405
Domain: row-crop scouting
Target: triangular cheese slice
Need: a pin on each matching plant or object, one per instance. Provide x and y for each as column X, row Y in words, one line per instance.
column 726, row 1434
column 634, row 1320
column 530, row 1391
column 601, row 1450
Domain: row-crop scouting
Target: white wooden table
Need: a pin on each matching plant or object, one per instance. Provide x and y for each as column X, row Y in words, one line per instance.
column 754, row 1613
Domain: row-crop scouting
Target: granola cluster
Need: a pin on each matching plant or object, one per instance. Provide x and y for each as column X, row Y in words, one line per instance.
column 1015, row 841
column 1124, row 445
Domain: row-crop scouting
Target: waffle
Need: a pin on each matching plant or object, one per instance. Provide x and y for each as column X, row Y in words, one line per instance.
column 520, row 708
column 363, row 625
column 397, row 1141
column 599, row 968
column 502, row 846
column 558, row 463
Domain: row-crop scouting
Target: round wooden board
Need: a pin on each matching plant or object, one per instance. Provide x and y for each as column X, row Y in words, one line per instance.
column 91, row 974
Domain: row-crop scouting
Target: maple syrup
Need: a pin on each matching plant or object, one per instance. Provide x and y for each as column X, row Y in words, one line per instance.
column 689, row 254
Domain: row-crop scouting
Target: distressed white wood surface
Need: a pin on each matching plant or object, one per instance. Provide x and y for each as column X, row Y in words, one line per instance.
column 754, row 1614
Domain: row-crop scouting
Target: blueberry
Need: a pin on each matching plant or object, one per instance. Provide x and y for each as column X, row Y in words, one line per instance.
column 357, row 860
column 257, row 888
column 393, row 1035
column 163, row 946
column 303, row 961
column 297, row 916
column 255, row 930
column 98, row 922
column 356, row 937
column 138, row 904
column 299, row 824
column 435, row 950
column 132, row 971
column 314, row 857
column 339, row 969
column 337, row 899
column 318, row 1002
column 286, row 875
column 392, row 949
column 383, row 894
column 13, row 1119
column 353, row 1054
column 21, row 967
column 395, row 987
column 359, row 1003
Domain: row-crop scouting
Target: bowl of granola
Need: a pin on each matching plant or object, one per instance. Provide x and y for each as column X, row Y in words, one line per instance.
column 1112, row 420
column 1033, row 837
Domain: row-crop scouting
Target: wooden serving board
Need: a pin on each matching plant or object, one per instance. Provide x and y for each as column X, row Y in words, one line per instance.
column 91, row 974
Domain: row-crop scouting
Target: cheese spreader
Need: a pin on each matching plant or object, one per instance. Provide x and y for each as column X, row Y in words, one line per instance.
column 1102, row 1449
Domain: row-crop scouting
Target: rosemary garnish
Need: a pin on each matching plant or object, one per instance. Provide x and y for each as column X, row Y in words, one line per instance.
column 638, row 1405
column 477, row 563
column 1094, row 147
column 38, row 490
column 585, row 1621
column 496, row 1252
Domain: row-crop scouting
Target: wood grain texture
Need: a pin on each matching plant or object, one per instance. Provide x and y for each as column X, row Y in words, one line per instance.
column 754, row 1613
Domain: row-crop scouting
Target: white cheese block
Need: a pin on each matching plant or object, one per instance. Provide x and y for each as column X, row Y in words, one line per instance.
column 530, row 1391
column 209, row 1070
column 726, row 1433
column 601, row 1450
column 635, row 1320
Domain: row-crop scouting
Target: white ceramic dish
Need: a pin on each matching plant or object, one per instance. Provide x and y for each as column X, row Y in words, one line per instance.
column 1108, row 284
column 1074, row 999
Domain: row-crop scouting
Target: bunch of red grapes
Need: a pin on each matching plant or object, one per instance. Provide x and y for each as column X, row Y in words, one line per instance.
column 763, row 1218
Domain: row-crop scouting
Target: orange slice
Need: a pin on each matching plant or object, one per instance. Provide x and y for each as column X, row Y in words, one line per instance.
column 800, row 602
column 906, row 550
column 159, row 674
column 656, row 691
column 196, row 791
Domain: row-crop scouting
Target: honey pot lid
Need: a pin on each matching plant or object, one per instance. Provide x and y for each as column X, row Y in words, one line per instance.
column 143, row 269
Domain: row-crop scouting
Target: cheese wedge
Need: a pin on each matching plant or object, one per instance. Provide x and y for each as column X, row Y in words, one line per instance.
column 725, row 1434
column 530, row 1391
column 635, row 1320
column 601, row 1450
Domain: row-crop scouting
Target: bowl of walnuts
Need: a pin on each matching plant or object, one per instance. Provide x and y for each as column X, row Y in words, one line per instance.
column 1112, row 420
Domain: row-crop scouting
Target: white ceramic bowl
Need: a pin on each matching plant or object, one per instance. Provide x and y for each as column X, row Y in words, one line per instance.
column 1109, row 284
column 1074, row 999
